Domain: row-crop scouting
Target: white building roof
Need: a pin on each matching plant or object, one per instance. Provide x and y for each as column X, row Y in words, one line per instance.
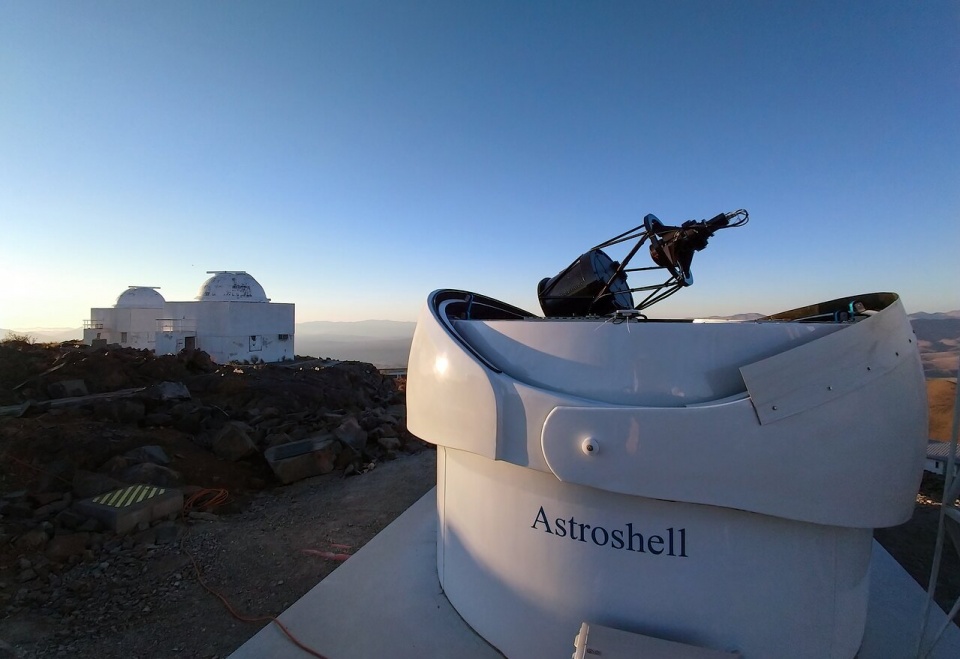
column 231, row 286
column 140, row 297
column 941, row 450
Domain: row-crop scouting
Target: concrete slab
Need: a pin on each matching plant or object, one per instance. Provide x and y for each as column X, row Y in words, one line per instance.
column 303, row 458
column 386, row 601
column 122, row 510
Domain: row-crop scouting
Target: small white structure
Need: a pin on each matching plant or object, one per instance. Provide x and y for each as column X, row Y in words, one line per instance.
column 938, row 453
column 231, row 319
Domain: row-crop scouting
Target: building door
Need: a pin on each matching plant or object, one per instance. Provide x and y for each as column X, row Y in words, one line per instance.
column 189, row 342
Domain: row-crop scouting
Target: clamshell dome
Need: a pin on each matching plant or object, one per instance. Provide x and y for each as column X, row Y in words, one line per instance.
column 228, row 286
column 140, row 297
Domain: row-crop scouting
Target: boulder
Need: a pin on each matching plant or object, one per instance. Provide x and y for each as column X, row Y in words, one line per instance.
column 301, row 459
column 125, row 410
column 62, row 547
column 150, row 453
column 233, row 442
column 32, row 540
column 350, row 433
column 166, row 391
column 152, row 474
column 389, row 443
column 67, row 389
column 89, row 484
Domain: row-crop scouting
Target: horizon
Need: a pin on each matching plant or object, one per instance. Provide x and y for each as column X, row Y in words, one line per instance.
column 354, row 158
column 953, row 313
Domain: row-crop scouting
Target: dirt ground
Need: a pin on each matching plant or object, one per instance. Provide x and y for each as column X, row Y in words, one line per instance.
column 261, row 560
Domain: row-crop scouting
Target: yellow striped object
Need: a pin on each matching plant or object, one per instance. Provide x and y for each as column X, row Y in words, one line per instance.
column 128, row 495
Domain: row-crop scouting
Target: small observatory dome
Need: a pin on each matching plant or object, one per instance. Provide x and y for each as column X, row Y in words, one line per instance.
column 229, row 286
column 140, row 297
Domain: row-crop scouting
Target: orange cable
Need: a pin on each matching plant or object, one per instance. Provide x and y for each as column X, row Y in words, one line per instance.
column 206, row 499
column 243, row 618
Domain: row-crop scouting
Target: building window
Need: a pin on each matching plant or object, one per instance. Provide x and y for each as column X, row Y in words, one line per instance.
column 123, row 337
column 256, row 342
column 283, row 337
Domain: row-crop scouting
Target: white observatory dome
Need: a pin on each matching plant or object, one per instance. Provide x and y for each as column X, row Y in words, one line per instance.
column 228, row 286
column 140, row 297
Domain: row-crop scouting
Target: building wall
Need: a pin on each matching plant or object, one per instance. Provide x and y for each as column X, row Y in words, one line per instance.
column 240, row 331
column 128, row 326
column 227, row 331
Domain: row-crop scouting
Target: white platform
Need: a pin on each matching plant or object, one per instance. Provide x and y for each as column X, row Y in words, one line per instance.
column 386, row 602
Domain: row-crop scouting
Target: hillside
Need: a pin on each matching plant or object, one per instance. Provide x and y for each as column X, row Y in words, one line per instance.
column 938, row 337
column 941, row 396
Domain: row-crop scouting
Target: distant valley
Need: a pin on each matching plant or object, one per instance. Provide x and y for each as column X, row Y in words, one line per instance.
column 386, row 343
column 383, row 343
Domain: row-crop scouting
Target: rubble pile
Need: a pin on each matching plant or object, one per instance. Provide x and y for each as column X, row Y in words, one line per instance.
column 77, row 422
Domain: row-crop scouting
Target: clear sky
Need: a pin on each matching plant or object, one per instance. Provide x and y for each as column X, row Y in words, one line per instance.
column 353, row 156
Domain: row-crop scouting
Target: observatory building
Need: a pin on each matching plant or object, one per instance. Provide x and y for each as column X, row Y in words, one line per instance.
column 231, row 319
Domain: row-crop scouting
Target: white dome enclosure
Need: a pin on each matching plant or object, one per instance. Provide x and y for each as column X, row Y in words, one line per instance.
column 130, row 322
column 713, row 483
column 231, row 286
column 140, row 297
column 231, row 319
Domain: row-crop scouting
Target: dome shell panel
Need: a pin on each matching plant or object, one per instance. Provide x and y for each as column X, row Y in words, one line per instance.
column 230, row 286
column 140, row 297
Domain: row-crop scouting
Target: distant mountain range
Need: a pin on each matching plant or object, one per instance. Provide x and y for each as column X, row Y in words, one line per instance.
column 938, row 336
column 386, row 343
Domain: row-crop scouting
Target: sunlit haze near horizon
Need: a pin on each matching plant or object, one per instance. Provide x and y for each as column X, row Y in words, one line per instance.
column 355, row 156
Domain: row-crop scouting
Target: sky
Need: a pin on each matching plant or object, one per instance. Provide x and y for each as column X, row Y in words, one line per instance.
column 354, row 156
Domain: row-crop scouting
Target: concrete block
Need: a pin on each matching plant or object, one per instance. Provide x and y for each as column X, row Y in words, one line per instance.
column 308, row 457
column 123, row 509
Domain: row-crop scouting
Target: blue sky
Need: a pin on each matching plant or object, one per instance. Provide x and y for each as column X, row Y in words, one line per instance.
column 353, row 156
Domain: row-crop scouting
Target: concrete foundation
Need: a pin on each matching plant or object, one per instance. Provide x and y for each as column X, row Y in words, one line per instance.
column 122, row 510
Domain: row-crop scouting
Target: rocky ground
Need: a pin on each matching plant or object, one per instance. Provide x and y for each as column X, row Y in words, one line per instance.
column 71, row 587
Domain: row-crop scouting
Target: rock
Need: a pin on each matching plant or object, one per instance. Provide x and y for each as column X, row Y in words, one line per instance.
column 32, row 540
column 52, row 509
column 43, row 498
column 125, row 410
column 62, row 547
column 276, row 439
column 152, row 453
column 167, row 391
column 115, row 466
column 57, row 476
column 17, row 509
column 350, row 433
column 152, row 474
column 89, row 484
column 197, row 360
column 157, row 420
column 67, row 389
column 397, row 411
column 202, row 516
column 166, row 532
column 233, row 442
column 389, row 443
column 26, row 575
column 302, row 459
column 69, row 519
